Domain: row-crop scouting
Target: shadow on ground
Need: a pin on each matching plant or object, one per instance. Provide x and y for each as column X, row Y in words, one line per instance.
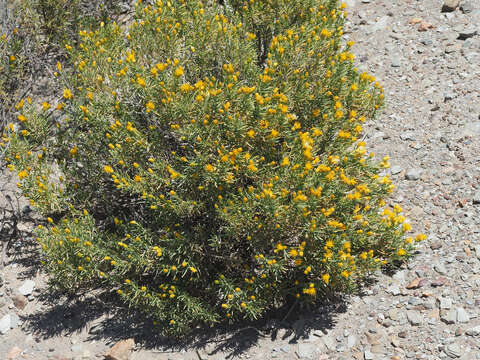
column 105, row 319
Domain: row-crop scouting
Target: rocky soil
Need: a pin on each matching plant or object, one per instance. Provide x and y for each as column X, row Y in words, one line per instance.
column 427, row 55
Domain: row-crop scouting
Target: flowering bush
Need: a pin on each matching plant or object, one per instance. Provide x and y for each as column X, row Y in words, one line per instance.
column 205, row 164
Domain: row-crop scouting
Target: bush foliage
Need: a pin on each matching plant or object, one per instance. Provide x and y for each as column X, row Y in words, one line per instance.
column 205, row 162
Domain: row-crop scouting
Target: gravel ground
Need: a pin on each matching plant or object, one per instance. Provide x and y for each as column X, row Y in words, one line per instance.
column 427, row 55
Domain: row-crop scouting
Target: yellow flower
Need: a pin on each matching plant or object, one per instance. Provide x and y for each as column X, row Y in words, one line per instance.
column 67, row 94
column 22, row 174
column 178, row 71
column 285, row 161
column 401, row 252
column 209, row 168
column 108, row 169
column 141, row 82
column 326, row 278
column 150, row 106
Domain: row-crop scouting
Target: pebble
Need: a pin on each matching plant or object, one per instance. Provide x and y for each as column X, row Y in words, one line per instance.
column 450, row 5
column 413, row 174
column 367, row 355
column 306, row 351
column 453, row 350
column 475, row 331
column 445, row 303
column 5, row 324
column 414, row 318
column 394, row 170
column 27, row 287
column 476, row 201
column 448, row 316
column 462, row 315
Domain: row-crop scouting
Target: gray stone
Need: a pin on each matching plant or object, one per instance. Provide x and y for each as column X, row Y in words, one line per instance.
column 466, row 7
column 448, row 316
column 396, row 62
column 351, row 341
column 414, row 317
column 27, row 287
column 306, row 351
column 14, row 321
column 5, row 324
column 462, row 315
column 440, row 268
column 475, row 331
column 465, row 32
column 444, row 303
column 413, row 174
column 285, row 348
column 476, row 201
column 394, row 170
column 368, row 355
column 393, row 289
column 453, row 350
column 77, row 348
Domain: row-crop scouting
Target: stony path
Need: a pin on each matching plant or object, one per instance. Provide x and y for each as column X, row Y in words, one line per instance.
column 429, row 64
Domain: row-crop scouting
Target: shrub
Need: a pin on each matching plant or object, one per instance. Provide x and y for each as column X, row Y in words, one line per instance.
column 205, row 164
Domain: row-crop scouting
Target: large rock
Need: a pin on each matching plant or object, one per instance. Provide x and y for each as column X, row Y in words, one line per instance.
column 450, row 5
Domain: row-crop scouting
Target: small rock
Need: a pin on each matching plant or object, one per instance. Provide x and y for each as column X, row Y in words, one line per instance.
column 462, row 315
column 475, row 331
column 403, row 334
column 466, row 7
column 424, row 26
column 440, row 268
column 476, row 201
column 394, row 170
column 439, row 281
column 121, row 350
column 285, row 348
column 27, row 287
column 367, row 355
column 466, row 32
column 5, row 324
column 393, row 289
column 19, row 301
column 450, row 5
column 444, row 303
column 14, row 352
column 414, row 318
column 395, row 341
column 453, row 350
column 416, row 283
column 448, row 316
column 413, row 174
column 351, row 341
column 372, row 339
column 77, row 348
column 396, row 62
column 306, row 351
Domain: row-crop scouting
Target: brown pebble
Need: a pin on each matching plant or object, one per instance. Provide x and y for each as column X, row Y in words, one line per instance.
column 121, row 350
column 20, row 301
